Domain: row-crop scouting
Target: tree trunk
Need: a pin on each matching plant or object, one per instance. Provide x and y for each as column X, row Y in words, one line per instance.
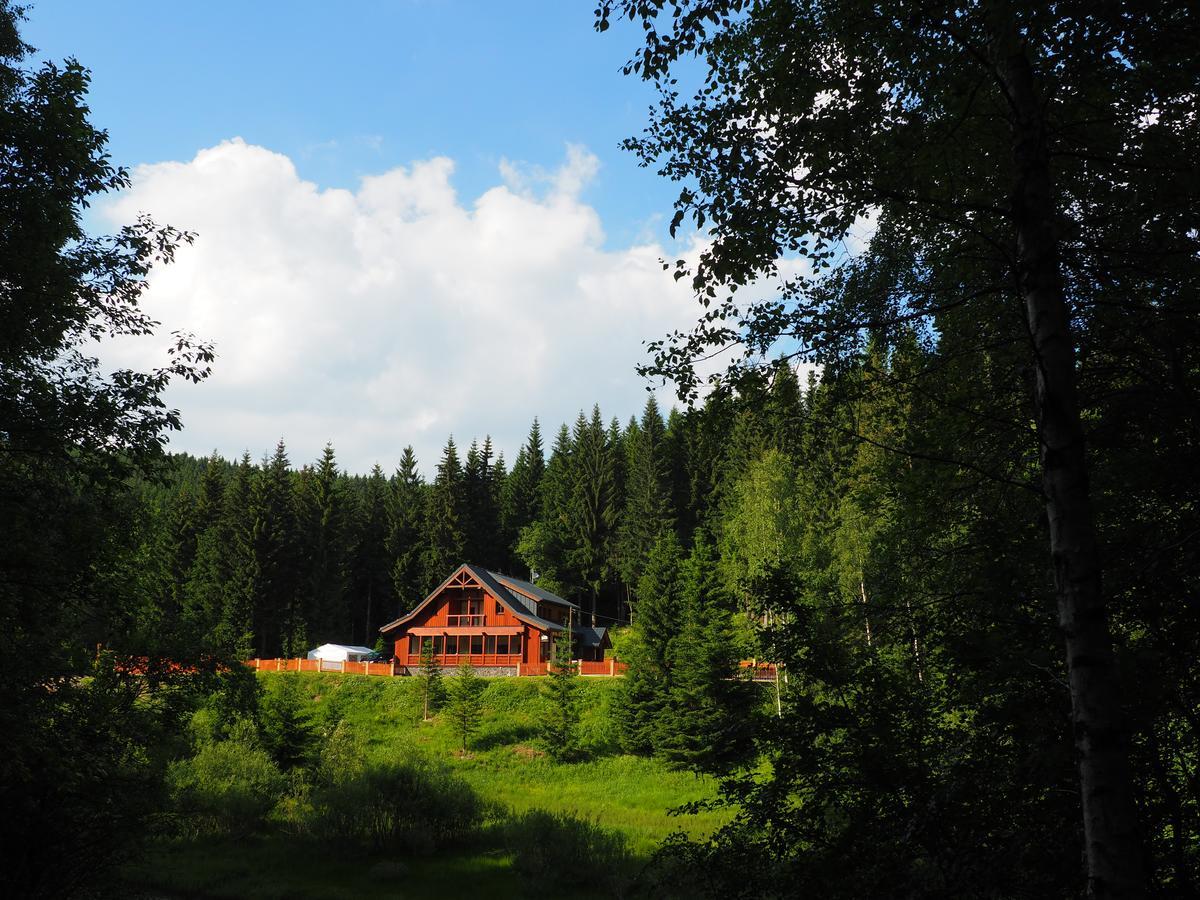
column 862, row 592
column 1113, row 852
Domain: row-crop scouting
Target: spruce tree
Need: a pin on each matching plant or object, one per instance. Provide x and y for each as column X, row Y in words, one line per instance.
column 204, row 586
column 647, row 513
column 370, row 577
column 481, row 521
column 706, row 723
column 558, row 723
column 592, row 513
column 321, row 503
column 465, row 705
column 229, row 572
column 279, row 614
column 444, row 514
column 520, row 496
column 647, row 683
column 406, row 540
column 430, row 678
column 544, row 543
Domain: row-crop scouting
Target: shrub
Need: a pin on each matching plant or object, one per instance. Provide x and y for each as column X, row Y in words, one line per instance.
column 558, row 852
column 409, row 806
column 227, row 787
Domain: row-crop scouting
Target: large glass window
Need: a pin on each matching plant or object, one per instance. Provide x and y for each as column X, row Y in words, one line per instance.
column 514, row 644
column 438, row 649
column 477, row 643
column 489, row 643
column 502, row 644
column 451, row 644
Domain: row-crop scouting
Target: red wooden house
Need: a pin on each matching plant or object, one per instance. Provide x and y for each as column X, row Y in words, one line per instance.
column 492, row 620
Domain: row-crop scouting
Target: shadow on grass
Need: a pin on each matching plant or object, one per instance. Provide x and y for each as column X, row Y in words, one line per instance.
column 501, row 735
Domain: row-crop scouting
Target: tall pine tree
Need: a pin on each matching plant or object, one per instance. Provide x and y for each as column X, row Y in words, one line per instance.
column 406, row 540
column 444, row 514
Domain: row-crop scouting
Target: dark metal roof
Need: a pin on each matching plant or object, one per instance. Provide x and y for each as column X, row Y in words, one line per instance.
column 521, row 606
column 531, row 588
column 590, row 636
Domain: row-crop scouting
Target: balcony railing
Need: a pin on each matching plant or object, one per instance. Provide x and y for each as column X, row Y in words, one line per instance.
column 478, row 659
column 465, row 621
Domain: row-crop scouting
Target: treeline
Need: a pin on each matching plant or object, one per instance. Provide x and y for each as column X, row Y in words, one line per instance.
column 886, row 546
column 266, row 558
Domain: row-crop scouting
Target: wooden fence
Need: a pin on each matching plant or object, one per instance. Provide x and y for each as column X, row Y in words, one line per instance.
column 321, row 665
column 610, row 667
column 759, row 671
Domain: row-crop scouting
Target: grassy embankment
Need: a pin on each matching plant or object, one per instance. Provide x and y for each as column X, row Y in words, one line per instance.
column 629, row 795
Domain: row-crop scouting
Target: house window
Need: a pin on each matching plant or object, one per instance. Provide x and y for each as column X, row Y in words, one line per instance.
column 414, row 645
column 502, row 644
column 438, row 649
column 451, row 644
column 489, row 643
column 470, row 607
column 477, row 643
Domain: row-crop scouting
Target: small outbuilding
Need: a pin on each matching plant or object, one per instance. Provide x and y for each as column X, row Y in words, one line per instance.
column 340, row 653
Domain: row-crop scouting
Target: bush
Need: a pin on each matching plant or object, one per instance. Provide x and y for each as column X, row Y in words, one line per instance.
column 410, row 807
column 227, row 787
column 557, row 852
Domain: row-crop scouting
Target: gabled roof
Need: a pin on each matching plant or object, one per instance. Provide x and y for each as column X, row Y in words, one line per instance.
column 518, row 605
column 590, row 636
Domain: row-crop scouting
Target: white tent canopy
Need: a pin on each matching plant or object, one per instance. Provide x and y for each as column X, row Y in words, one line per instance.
column 340, row 652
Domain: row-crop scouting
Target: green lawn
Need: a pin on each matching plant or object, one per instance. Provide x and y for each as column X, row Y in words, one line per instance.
column 627, row 794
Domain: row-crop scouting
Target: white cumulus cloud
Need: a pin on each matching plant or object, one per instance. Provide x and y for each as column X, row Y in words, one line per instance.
column 397, row 313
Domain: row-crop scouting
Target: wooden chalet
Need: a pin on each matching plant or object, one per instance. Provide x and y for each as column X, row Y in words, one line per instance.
column 493, row 621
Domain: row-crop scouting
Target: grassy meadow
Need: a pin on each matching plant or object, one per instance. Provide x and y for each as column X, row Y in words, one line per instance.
column 621, row 795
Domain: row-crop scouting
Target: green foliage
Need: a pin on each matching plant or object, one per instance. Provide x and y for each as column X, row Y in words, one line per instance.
column 403, row 806
column 521, row 492
column 763, row 527
column 445, row 513
column 228, row 787
column 555, row 853
column 707, row 723
column 433, row 692
column 647, row 682
column 464, row 708
column 286, row 724
column 648, row 508
column 405, row 533
column 558, row 723
column 78, row 777
column 343, row 758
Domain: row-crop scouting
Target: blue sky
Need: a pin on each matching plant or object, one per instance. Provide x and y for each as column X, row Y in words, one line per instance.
column 414, row 218
column 354, row 88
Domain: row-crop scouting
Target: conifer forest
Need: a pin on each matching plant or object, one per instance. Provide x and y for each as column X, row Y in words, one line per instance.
column 947, row 485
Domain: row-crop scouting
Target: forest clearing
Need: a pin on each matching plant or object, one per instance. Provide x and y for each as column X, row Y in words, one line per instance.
column 264, row 851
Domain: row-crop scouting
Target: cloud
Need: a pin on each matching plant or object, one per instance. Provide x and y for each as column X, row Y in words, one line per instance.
column 397, row 313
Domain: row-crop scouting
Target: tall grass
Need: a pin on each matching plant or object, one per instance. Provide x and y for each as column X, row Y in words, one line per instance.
column 388, row 789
